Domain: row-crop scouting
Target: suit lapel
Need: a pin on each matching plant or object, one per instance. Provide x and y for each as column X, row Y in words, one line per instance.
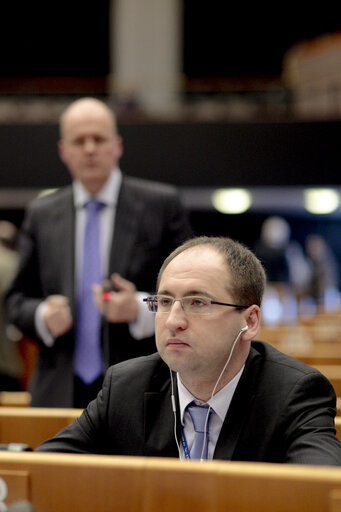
column 238, row 411
column 64, row 228
column 159, row 416
column 128, row 214
column 159, row 423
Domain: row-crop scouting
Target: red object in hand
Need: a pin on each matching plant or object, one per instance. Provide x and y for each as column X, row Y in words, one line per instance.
column 106, row 295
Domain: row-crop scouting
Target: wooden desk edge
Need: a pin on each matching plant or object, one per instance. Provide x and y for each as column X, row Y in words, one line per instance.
column 261, row 469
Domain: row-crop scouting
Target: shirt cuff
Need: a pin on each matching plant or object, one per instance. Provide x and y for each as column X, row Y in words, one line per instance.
column 40, row 326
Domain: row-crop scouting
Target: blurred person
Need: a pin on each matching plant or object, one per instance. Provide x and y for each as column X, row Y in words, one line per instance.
column 212, row 391
column 271, row 248
column 10, row 360
column 286, row 268
column 324, row 284
column 104, row 226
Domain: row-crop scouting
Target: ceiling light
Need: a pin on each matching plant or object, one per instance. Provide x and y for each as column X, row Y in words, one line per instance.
column 232, row 200
column 321, row 200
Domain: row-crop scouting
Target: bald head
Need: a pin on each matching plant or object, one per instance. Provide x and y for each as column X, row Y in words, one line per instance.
column 85, row 108
column 89, row 144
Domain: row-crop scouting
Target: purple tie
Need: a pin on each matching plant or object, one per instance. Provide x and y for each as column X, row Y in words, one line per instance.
column 88, row 355
column 198, row 414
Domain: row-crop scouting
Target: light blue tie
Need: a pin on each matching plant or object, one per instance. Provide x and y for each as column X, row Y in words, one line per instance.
column 198, row 414
column 88, row 364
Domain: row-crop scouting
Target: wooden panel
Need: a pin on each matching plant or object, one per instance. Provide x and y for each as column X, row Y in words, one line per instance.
column 14, row 486
column 32, row 425
column 66, row 482
column 335, row 501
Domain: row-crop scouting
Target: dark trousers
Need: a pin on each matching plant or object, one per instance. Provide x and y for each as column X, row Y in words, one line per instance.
column 83, row 393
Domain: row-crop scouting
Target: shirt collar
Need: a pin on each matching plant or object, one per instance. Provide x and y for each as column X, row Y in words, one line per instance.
column 107, row 195
column 220, row 402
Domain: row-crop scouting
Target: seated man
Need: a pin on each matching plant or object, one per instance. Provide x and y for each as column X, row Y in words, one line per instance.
column 254, row 403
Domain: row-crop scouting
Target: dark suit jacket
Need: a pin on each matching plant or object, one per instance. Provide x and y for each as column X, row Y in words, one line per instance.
column 282, row 411
column 149, row 223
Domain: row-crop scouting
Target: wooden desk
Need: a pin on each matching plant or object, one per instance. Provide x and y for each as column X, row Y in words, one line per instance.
column 338, row 427
column 320, row 357
column 333, row 374
column 32, row 425
column 15, row 398
column 338, row 406
column 297, row 342
column 62, row 482
column 322, row 329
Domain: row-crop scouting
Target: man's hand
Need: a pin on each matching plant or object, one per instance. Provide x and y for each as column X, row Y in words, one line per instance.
column 118, row 306
column 57, row 315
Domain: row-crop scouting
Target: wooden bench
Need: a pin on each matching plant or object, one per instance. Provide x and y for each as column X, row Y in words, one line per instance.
column 32, row 425
column 70, row 482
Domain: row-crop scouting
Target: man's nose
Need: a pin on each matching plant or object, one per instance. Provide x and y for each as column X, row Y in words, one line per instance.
column 89, row 145
column 177, row 316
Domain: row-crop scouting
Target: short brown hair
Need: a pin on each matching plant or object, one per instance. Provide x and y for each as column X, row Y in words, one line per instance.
column 247, row 273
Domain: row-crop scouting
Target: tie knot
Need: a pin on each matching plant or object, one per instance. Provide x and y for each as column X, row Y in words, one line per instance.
column 93, row 205
column 199, row 414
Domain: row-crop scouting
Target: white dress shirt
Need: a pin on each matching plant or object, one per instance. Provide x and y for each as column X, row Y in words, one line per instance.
column 220, row 404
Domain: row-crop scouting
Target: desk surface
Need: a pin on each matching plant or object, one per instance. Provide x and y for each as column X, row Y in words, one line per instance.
column 69, row 482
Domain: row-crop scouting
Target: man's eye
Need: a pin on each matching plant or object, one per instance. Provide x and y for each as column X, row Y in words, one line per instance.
column 198, row 303
column 164, row 301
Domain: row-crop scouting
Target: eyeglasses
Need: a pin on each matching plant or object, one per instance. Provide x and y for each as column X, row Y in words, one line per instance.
column 193, row 305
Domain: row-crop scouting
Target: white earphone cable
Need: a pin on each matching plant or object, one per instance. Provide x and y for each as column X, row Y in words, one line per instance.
column 215, row 387
column 212, row 394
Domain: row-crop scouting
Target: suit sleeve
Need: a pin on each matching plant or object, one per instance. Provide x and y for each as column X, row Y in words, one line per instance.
column 309, row 429
column 113, row 423
column 87, row 434
column 25, row 293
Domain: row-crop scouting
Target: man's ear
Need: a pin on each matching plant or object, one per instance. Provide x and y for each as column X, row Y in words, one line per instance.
column 253, row 321
column 118, row 148
column 60, row 147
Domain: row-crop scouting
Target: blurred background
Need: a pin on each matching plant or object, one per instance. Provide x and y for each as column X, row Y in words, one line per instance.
column 241, row 109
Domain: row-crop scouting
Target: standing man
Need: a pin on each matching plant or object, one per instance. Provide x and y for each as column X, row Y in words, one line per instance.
column 105, row 225
column 212, row 390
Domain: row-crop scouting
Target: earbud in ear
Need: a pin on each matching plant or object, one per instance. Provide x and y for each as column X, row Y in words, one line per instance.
column 244, row 328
